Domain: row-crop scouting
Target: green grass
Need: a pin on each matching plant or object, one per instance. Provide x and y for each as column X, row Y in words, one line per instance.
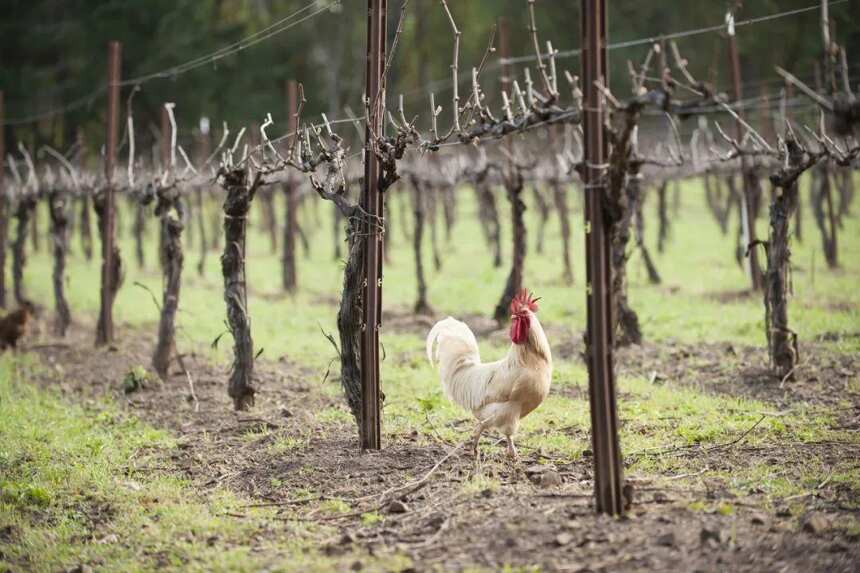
column 75, row 490
column 56, row 458
column 697, row 264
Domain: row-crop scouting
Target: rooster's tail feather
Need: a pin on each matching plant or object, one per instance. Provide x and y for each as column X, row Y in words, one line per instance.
column 452, row 346
column 449, row 328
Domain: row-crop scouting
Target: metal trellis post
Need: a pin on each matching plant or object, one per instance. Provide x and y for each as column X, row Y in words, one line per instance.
column 371, row 202
column 104, row 333
column 608, row 479
column 165, row 138
column 748, row 207
column 290, row 272
column 4, row 215
column 504, row 54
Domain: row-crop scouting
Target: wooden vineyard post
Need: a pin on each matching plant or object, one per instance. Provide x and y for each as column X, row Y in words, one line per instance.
column 203, row 154
column 4, row 207
column 608, row 479
column 504, row 54
column 289, row 271
column 513, row 184
column 798, row 211
column 749, row 201
column 165, row 166
column 371, row 203
column 109, row 276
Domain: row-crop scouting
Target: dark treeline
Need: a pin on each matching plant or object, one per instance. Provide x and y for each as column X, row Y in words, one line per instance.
column 53, row 53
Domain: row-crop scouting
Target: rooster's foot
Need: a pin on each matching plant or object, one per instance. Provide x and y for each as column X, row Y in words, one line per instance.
column 512, row 449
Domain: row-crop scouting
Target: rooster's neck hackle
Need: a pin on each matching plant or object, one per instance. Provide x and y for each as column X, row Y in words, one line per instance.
column 535, row 348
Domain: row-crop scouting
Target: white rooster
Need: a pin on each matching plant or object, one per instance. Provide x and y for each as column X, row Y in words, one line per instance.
column 499, row 393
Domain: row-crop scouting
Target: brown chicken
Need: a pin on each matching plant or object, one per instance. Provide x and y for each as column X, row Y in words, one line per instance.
column 14, row 325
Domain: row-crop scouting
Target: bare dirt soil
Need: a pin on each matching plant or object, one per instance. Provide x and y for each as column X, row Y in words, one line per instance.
column 538, row 513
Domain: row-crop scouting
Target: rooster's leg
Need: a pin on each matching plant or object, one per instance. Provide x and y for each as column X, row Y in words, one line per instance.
column 512, row 450
column 476, row 436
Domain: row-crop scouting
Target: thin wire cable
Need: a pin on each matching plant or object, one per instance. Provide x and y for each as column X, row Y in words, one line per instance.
column 277, row 28
column 676, row 35
column 75, row 104
column 444, row 84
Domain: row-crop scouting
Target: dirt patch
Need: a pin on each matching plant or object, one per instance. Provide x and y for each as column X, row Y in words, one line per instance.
column 822, row 377
column 297, row 452
column 403, row 320
column 731, row 296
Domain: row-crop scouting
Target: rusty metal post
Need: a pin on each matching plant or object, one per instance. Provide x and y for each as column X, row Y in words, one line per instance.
column 104, row 332
column 4, row 206
column 165, row 139
column 504, row 54
column 748, row 202
column 506, row 78
column 289, row 267
column 292, row 107
column 165, row 167
column 608, row 478
column 371, row 202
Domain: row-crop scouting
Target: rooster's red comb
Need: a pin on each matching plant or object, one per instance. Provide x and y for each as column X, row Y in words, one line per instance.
column 524, row 300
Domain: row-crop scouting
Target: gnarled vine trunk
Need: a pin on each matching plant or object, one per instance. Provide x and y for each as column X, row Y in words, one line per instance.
column 337, row 228
column 626, row 320
column 240, row 194
column 514, row 188
column 421, row 304
column 386, row 236
column 162, row 240
column 4, row 233
column 489, row 214
column 676, row 198
column 360, row 228
column 405, row 212
column 719, row 203
column 798, row 216
column 85, row 228
column 113, row 276
column 267, row 204
column 188, row 214
column 449, row 210
column 543, row 213
column 619, row 205
column 35, row 233
column 752, row 201
column 303, row 239
column 289, row 274
column 736, row 199
column 637, row 197
column 432, row 198
column 825, row 214
column 350, row 316
column 217, row 226
column 201, row 231
column 169, row 204
column 846, row 192
column 23, row 215
column 559, row 196
column 139, row 231
column 58, row 204
column 781, row 340
column 663, row 217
